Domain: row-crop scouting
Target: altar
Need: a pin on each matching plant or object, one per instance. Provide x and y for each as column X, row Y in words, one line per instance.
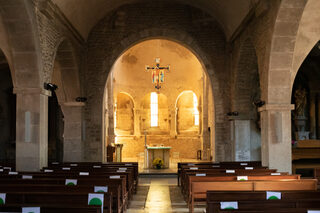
column 153, row 152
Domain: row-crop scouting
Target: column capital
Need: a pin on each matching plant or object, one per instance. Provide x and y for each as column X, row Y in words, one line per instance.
column 276, row 107
column 30, row 91
column 74, row 104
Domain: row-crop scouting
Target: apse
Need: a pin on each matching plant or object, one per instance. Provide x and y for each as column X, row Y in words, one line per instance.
column 158, row 93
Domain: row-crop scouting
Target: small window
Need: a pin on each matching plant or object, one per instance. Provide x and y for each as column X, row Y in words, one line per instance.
column 115, row 115
column 154, row 109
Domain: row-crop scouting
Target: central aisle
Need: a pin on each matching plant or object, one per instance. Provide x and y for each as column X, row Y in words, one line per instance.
column 158, row 199
column 159, row 195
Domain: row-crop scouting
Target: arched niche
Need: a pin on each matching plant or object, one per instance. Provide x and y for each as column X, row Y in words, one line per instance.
column 65, row 112
column 188, row 115
column 7, row 114
column 162, row 127
column 124, row 115
column 306, row 98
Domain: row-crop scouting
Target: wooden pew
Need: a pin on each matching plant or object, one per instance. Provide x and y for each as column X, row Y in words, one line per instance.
column 114, row 191
column 199, row 189
column 116, row 186
column 53, row 208
column 183, row 165
column 209, row 178
column 54, row 198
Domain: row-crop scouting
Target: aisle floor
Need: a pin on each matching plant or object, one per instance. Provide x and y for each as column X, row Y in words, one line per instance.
column 159, row 195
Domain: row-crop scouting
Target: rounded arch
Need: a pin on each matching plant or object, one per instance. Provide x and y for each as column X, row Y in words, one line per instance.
column 210, row 52
column 124, row 114
column 246, row 85
column 188, row 116
column 308, row 35
column 65, row 73
column 282, row 51
column 24, row 57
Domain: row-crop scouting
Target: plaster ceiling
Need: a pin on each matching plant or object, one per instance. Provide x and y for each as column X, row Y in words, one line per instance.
column 84, row 14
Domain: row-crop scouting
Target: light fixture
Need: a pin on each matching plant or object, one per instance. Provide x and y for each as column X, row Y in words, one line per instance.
column 50, row 86
column 81, row 99
column 259, row 103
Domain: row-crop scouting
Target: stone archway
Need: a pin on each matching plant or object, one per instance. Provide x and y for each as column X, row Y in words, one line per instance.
column 122, row 72
column 24, row 60
column 66, row 76
column 276, row 114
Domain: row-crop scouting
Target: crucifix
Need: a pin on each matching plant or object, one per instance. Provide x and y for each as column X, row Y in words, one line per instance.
column 157, row 73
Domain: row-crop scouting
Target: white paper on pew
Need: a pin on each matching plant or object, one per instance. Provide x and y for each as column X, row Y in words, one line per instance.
column 216, row 166
column 276, row 173
column 313, row 211
column 1, row 170
column 55, row 163
column 7, row 168
column 229, row 205
column 84, row 173
column 73, row 164
column 13, row 173
column 96, row 199
column 66, row 168
column 2, row 198
column 26, row 176
column 30, row 209
column 201, row 175
column 101, row 189
column 242, row 177
column 48, row 170
column 128, row 164
column 191, row 164
column 244, row 164
column 115, row 177
column 122, row 168
column 96, row 167
column 230, row 171
column 194, row 168
column 273, row 195
column 248, row 168
column 71, row 182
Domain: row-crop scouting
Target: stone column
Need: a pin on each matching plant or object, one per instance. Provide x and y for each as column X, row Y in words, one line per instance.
column 72, row 136
column 240, row 137
column 276, row 136
column 31, row 129
column 136, row 116
column 204, row 124
column 173, row 123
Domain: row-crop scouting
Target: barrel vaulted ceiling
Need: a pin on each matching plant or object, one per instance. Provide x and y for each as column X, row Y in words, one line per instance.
column 85, row 14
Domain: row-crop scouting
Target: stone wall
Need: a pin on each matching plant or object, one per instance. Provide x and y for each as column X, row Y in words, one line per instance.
column 127, row 26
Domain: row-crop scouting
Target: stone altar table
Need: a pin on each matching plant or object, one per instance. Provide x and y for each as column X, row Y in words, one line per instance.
column 154, row 152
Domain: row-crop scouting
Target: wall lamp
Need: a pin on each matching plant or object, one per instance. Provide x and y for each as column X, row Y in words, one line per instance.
column 233, row 113
column 81, row 99
column 49, row 86
column 259, row 103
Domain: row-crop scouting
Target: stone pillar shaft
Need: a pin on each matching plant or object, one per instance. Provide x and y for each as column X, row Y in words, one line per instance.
column 32, row 129
column 276, row 136
column 173, row 123
column 136, row 125
column 72, row 136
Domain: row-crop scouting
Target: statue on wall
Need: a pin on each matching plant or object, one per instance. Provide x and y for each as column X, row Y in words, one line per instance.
column 300, row 96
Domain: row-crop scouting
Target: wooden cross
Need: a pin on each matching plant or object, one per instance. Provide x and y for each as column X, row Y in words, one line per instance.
column 157, row 73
